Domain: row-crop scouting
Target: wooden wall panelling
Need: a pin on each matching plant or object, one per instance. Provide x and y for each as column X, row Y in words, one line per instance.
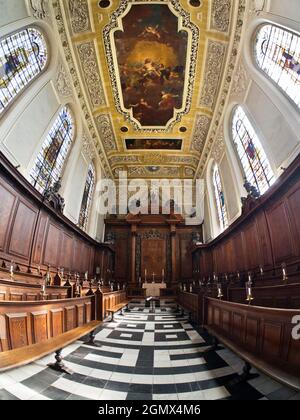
column 53, row 244
column 8, row 201
column 252, row 245
column 281, row 232
column 18, row 333
column 39, row 240
column 40, row 327
column 122, row 248
column 266, row 256
column 67, row 251
column 23, row 229
column 239, row 252
column 293, row 204
column 32, row 234
column 184, row 242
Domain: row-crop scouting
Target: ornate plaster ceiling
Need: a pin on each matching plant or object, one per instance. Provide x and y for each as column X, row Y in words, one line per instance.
column 103, row 52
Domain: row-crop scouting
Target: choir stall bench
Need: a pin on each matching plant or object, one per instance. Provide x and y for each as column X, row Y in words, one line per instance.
column 115, row 309
column 35, row 329
column 22, row 356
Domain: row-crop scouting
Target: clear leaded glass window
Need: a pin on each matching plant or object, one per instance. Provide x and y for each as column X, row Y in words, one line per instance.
column 50, row 161
column 277, row 53
column 23, row 56
column 256, row 166
column 87, row 197
column 220, row 198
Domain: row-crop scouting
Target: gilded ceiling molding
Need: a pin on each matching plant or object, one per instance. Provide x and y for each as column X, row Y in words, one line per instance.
column 76, row 84
column 219, row 146
column 39, row 9
column 62, row 82
column 117, row 160
column 87, row 148
column 189, row 172
column 241, row 81
column 213, row 72
column 201, row 130
column 226, row 88
column 257, row 6
column 184, row 160
column 153, row 159
column 106, row 132
column 91, row 72
column 80, row 17
column 184, row 18
column 220, row 15
column 143, row 171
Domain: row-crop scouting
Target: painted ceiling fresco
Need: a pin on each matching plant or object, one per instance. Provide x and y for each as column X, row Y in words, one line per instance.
column 149, row 78
column 151, row 55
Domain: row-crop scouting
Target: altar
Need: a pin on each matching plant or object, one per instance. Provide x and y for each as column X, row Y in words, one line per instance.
column 153, row 289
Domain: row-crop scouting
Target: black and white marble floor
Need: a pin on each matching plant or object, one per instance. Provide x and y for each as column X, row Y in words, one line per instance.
column 141, row 356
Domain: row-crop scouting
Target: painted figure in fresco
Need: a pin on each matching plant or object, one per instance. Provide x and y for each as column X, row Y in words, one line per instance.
column 152, row 56
column 152, row 32
column 168, row 101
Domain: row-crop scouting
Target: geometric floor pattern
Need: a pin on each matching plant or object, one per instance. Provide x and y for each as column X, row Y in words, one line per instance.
column 142, row 356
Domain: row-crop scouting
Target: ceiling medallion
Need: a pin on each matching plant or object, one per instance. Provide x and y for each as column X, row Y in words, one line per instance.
column 151, row 49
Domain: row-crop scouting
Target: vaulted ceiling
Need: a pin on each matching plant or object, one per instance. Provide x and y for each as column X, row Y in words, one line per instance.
column 149, row 75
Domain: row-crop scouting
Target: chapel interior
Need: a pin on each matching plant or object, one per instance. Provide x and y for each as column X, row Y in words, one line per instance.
column 151, row 299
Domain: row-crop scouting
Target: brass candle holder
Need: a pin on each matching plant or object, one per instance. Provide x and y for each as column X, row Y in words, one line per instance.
column 261, row 270
column 43, row 290
column 249, row 285
column 220, row 292
column 11, row 270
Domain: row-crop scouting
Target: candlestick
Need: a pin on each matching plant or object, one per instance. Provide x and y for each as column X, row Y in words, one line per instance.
column 153, row 276
column 12, row 270
column 284, row 272
column 220, row 293
column 249, row 277
column 250, row 297
column 261, row 270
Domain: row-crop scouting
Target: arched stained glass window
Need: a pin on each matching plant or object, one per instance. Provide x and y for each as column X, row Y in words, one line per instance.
column 220, row 198
column 277, row 53
column 23, row 56
column 87, row 197
column 256, row 166
column 50, row 161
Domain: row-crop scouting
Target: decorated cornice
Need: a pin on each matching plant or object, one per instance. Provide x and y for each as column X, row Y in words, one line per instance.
column 39, row 9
